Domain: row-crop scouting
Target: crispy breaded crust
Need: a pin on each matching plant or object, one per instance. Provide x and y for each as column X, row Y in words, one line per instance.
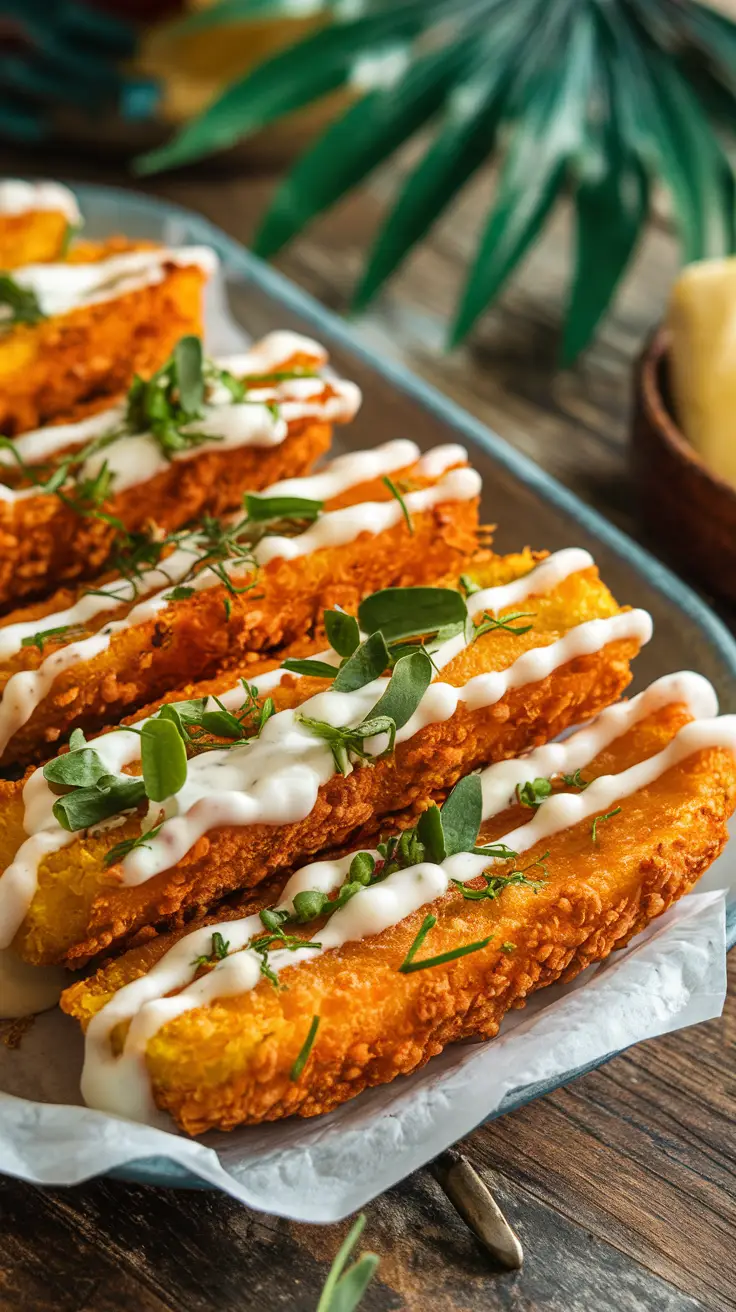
column 48, row 368
column 78, row 911
column 44, row 542
column 32, row 237
column 213, row 630
column 230, row 1063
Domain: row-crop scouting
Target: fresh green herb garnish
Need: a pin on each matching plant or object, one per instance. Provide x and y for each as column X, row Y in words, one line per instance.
column 488, row 624
column 68, row 631
column 179, row 593
column 304, row 1055
column 508, row 947
column 262, row 509
column 84, row 807
column 128, row 845
column 393, row 489
column 17, row 304
column 218, row 951
column 575, row 780
column 407, row 685
column 343, row 632
column 468, row 586
column 310, row 668
column 163, row 758
column 402, row 613
column 343, row 1292
column 533, row 792
column 89, row 794
column 346, row 743
column 599, row 821
column 409, row 965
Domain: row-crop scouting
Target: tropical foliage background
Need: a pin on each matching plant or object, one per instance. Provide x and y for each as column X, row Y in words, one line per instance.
column 604, row 100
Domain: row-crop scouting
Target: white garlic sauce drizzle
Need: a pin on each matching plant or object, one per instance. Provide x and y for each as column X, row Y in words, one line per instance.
column 276, row 778
column 136, row 458
column 121, row 1084
column 64, row 287
column 26, row 689
column 19, row 197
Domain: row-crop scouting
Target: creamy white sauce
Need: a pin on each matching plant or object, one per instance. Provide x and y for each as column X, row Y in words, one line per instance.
column 26, row 990
column 121, row 1084
column 26, row 689
column 276, row 779
column 18, row 197
column 137, row 458
column 62, row 288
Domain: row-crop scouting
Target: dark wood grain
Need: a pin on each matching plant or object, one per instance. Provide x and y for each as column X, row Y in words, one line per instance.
column 622, row 1186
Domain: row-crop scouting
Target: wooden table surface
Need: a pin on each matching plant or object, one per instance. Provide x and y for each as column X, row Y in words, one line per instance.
column 621, row 1186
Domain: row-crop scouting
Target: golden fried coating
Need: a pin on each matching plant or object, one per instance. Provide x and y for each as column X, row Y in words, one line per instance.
column 49, row 368
column 230, row 1063
column 33, row 237
column 44, row 542
column 214, row 630
column 81, row 909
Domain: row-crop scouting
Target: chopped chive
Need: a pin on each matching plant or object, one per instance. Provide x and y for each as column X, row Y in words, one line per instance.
column 396, row 493
column 303, row 1057
column 409, row 965
column 599, row 821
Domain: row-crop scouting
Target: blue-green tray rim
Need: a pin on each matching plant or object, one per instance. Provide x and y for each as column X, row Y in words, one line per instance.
column 161, row 1170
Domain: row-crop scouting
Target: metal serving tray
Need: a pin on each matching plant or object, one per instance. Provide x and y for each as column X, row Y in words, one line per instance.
column 528, row 505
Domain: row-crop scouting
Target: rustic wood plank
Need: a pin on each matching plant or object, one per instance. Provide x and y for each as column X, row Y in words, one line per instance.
column 621, row 1186
column 192, row 1252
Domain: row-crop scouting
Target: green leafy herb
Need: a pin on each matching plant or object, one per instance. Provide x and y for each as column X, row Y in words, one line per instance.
column 409, row 965
column 508, row 947
column 194, row 722
column 575, row 780
column 488, row 624
column 343, row 632
column 396, row 493
column 366, row 663
column 533, row 792
column 218, row 951
column 402, row 613
column 310, row 668
column 188, row 369
column 409, row 681
column 80, row 767
column 494, row 885
column 128, row 845
column 468, row 586
column 84, row 807
column 260, row 509
column 163, row 757
column 306, row 1050
column 407, row 685
column 68, row 631
column 599, row 821
column 18, row 304
column 180, row 593
column 346, row 742
column 343, row 1290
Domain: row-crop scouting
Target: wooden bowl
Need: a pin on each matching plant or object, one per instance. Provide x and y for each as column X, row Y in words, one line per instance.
column 689, row 510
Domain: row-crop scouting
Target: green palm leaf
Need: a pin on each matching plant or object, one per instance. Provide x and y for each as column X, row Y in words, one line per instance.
column 354, row 145
column 289, row 80
column 464, row 139
column 611, row 203
column 548, row 134
column 609, row 96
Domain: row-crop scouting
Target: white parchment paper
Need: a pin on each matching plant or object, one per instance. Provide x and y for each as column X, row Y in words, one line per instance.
column 323, row 1169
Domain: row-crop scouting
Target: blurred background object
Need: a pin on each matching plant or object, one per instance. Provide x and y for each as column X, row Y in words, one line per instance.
column 608, row 100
